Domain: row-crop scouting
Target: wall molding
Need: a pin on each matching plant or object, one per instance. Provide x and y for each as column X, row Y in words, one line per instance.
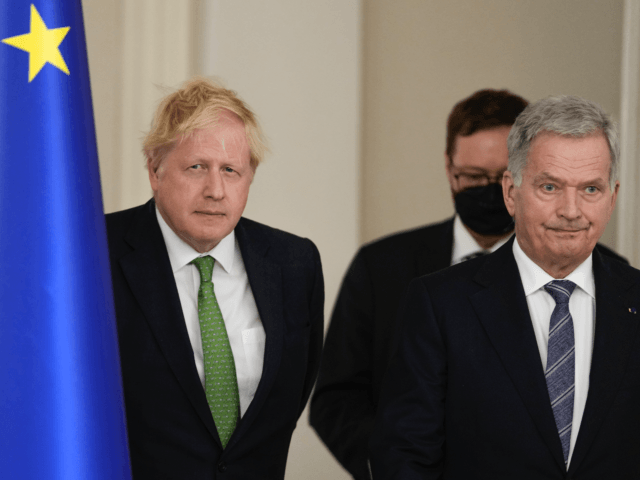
column 628, row 227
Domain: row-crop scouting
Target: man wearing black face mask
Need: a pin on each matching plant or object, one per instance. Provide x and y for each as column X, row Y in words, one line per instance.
column 359, row 340
column 475, row 159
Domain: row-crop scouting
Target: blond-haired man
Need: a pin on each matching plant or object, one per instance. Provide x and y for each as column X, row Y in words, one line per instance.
column 219, row 318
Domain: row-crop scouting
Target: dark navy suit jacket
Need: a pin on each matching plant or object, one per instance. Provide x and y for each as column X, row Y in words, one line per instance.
column 465, row 395
column 172, row 434
column 359, row 341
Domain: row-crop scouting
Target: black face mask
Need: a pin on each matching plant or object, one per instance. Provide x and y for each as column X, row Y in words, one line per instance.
column 482, row 209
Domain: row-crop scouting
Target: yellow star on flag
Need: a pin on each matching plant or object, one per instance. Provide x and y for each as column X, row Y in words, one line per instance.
column 42, row 44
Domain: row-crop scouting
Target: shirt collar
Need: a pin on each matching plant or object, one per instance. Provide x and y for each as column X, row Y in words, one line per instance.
column 181, row 254
column 534, row 277
column 464, row 244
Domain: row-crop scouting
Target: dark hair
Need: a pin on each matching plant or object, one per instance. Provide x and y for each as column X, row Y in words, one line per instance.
column 484, row 110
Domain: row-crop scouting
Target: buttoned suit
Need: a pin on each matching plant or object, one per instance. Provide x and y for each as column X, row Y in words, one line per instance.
column 465, row 395
column 172, row 434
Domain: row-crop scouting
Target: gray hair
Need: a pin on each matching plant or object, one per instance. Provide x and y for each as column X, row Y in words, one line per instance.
column 565, row 115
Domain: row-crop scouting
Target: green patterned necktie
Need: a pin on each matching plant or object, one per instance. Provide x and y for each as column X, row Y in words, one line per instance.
column 221, row 385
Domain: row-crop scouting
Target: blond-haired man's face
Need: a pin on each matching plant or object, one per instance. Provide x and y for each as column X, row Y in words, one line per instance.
column 201, row 187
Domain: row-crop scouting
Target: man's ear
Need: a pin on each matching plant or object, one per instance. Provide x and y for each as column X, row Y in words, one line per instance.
column 509, row 192
column 614, row 195
column 447, row 168
column 153, row 175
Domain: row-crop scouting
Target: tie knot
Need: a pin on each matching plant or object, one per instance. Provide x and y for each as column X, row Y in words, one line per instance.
column 205, row 267
column 560, row 290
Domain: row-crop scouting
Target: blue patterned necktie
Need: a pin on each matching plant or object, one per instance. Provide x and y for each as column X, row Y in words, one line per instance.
column 221, row 384
column 560, row 373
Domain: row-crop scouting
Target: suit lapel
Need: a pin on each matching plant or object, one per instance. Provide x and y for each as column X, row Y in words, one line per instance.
column 265, row 279
column 149, row 275
column 502, row 309
column 616, row 329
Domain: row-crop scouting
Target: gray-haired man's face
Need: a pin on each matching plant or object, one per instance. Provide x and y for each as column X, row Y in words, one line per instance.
column 564, row 202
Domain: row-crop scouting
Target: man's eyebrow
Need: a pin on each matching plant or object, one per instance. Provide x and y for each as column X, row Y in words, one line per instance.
column 480, row 169
column 595, row 181
column 547, row 177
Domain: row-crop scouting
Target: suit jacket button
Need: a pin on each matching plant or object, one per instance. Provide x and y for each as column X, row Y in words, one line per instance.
column 222, row 467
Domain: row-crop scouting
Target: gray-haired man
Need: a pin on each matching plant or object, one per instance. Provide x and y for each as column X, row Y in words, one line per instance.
column 524, row 363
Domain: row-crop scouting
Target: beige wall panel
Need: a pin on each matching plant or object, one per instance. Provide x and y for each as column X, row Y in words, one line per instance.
column 103, row 27
column 423, row 56
column 136, row 48
column 297, row 64
column 629, row 198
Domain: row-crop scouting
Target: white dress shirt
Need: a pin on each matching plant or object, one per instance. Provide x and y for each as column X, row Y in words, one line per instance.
column 582, row 308
column 464, row 244
column 235, row 298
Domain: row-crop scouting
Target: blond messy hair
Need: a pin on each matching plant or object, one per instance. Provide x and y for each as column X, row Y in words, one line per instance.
column 198, row 104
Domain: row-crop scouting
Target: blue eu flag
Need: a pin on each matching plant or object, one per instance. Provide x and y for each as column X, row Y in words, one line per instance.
column 61, row 403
